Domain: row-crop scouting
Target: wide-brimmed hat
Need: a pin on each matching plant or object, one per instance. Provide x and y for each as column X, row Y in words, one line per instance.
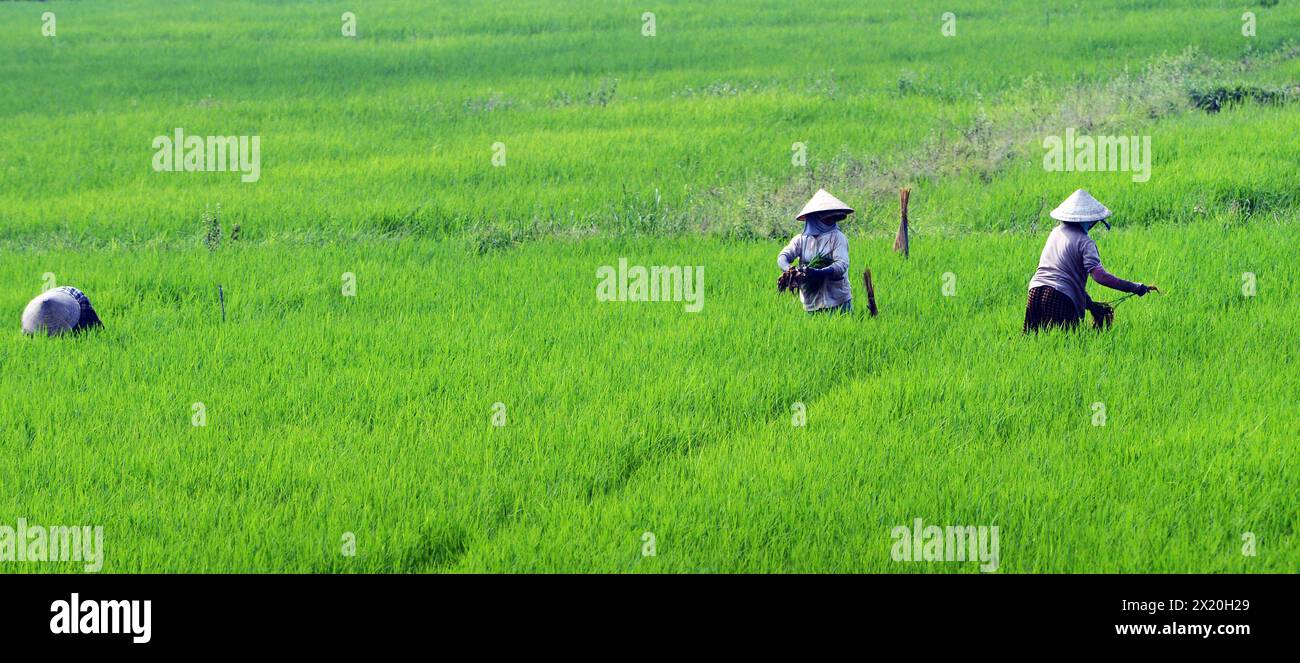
column 52, row 312
column 823, row 202
column 1081, row 207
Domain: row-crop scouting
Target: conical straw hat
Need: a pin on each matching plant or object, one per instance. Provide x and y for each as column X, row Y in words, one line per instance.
column 52, row 312
column 823, row 202
column 1080, row 207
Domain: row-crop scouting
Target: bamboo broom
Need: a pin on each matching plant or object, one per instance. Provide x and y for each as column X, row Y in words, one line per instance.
column 900, row 241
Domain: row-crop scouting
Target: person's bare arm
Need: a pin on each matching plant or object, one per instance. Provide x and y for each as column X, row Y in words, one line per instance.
column 1103, row 277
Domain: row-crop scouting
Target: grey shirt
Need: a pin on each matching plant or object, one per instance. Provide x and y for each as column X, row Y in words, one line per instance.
column 1067, row 259
column 835, row 289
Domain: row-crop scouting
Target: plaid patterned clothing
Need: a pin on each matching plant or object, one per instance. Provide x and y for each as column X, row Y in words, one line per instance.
column 88, row 316
column 1047, row 307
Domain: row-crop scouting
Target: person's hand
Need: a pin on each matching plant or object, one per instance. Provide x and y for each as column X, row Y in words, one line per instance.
column 819, row 274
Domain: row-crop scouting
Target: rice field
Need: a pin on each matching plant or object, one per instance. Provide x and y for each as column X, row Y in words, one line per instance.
column 413, row 353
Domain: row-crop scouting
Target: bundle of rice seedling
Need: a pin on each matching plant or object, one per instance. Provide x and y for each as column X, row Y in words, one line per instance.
column 793, row 279
column 1103, row 314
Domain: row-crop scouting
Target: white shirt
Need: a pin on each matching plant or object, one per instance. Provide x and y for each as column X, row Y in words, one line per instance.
column 835, row 289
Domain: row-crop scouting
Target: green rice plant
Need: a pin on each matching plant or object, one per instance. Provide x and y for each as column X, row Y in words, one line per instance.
column 410, row 353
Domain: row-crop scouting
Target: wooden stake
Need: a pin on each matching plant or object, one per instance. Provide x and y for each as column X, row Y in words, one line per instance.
column 221, row 296
column 871, row 292
column 901, row 240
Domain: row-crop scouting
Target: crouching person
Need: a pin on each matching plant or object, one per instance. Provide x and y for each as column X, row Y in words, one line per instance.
column 59, row 310
column 1057, row 294
column 823, row 253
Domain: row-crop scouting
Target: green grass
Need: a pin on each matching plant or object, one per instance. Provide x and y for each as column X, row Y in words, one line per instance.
column 373, row 414
column 476, row 285
column 393, row 131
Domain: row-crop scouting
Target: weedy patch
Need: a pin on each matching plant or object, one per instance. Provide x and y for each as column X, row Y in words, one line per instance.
column 211, row 232
column 1215, row 99
column 211, row 222
column 487, row 104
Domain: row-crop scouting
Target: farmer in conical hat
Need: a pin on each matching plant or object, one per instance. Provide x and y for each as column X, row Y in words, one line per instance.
column 59, row 310
column 1056, row 293
column 825, row 287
